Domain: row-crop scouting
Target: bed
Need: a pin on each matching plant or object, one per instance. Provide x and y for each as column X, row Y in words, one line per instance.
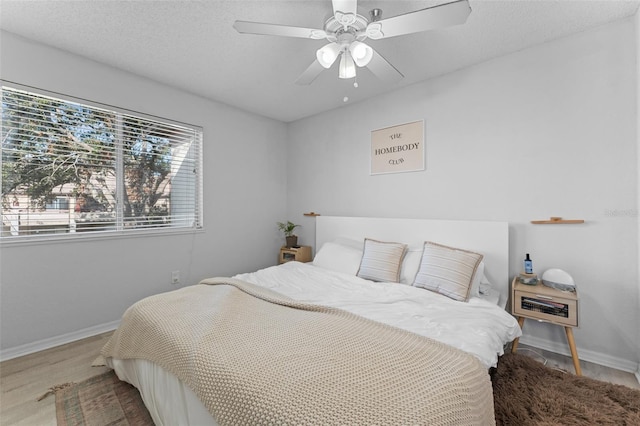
column 351, row 338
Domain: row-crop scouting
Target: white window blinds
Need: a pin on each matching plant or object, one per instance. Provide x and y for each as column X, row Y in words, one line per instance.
column 69, row 168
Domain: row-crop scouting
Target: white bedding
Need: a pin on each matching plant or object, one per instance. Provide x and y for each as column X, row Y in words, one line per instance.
column 477, row 326
column 170, row 402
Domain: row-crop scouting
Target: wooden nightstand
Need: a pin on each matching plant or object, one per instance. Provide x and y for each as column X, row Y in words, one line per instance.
column 547, row 304
column 299, row 253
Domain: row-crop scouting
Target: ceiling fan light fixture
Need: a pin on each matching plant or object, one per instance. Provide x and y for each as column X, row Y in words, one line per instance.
column 346, row 29
column 328, row 54
column 361, row 53
column 347, row 66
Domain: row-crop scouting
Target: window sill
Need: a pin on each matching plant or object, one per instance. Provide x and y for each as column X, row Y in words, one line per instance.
column 94, row 236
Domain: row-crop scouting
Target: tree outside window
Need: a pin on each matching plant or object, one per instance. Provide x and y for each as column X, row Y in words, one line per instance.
column 69, row 167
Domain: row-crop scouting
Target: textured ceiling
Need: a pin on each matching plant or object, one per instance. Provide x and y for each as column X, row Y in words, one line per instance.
column 192, row 45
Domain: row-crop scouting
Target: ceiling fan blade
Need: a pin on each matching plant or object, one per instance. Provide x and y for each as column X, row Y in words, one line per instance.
column 246, row 27
column 382, row 69
column 310, row 74
column 345, row 6
column 431, row 18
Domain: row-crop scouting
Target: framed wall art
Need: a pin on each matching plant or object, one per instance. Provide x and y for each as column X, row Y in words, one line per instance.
column 398, row 148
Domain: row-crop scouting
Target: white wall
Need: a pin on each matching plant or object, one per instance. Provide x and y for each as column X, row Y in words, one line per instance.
column 551, row 130
column 57, row 291
column 548, row 131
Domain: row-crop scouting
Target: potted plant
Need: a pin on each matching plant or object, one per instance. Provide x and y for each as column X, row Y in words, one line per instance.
column 288, row 227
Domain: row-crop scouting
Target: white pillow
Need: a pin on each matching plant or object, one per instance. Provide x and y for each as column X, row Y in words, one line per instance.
column 477, row 280
column 338, row 257
column 485, row 286
column 381, row 261
column 447, row 270
column 350, row 242
column 410, row 265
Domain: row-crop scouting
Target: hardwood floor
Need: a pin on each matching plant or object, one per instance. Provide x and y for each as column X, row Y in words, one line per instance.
column 589, row 369
column 24, row 379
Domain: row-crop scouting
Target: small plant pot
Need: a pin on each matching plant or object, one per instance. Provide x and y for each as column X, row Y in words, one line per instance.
column 292, row 241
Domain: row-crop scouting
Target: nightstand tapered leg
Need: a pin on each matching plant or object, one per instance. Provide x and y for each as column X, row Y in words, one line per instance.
column 574, row 352
column 514, row 345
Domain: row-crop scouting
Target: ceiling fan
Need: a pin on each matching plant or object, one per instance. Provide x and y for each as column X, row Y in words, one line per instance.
column 346, row 31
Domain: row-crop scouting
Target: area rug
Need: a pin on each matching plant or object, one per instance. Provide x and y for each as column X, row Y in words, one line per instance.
column 99, row 401
column 525, row 392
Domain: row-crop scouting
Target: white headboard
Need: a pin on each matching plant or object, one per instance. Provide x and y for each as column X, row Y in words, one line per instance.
column 489, row 238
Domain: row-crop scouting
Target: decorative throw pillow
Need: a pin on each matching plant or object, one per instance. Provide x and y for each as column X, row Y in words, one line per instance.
column 447, row 270
column 381, row 261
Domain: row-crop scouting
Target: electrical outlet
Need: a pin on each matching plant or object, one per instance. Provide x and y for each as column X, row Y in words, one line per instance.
column 175, row 277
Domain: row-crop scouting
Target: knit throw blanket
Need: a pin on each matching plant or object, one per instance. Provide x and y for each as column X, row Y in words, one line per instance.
column 254, row 356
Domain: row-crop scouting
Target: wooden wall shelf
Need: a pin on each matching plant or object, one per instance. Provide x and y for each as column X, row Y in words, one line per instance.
column 312, row 214
column 556, row 220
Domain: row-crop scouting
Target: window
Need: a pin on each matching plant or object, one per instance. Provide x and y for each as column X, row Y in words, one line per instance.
column 69, row 168
column 58, row 203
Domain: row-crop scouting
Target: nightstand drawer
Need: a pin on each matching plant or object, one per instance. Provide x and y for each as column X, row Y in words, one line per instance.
column 548, row 308
column 299, row 254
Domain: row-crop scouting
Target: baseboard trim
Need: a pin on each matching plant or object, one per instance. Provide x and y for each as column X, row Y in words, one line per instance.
column 585, row 355
column 51, row 342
